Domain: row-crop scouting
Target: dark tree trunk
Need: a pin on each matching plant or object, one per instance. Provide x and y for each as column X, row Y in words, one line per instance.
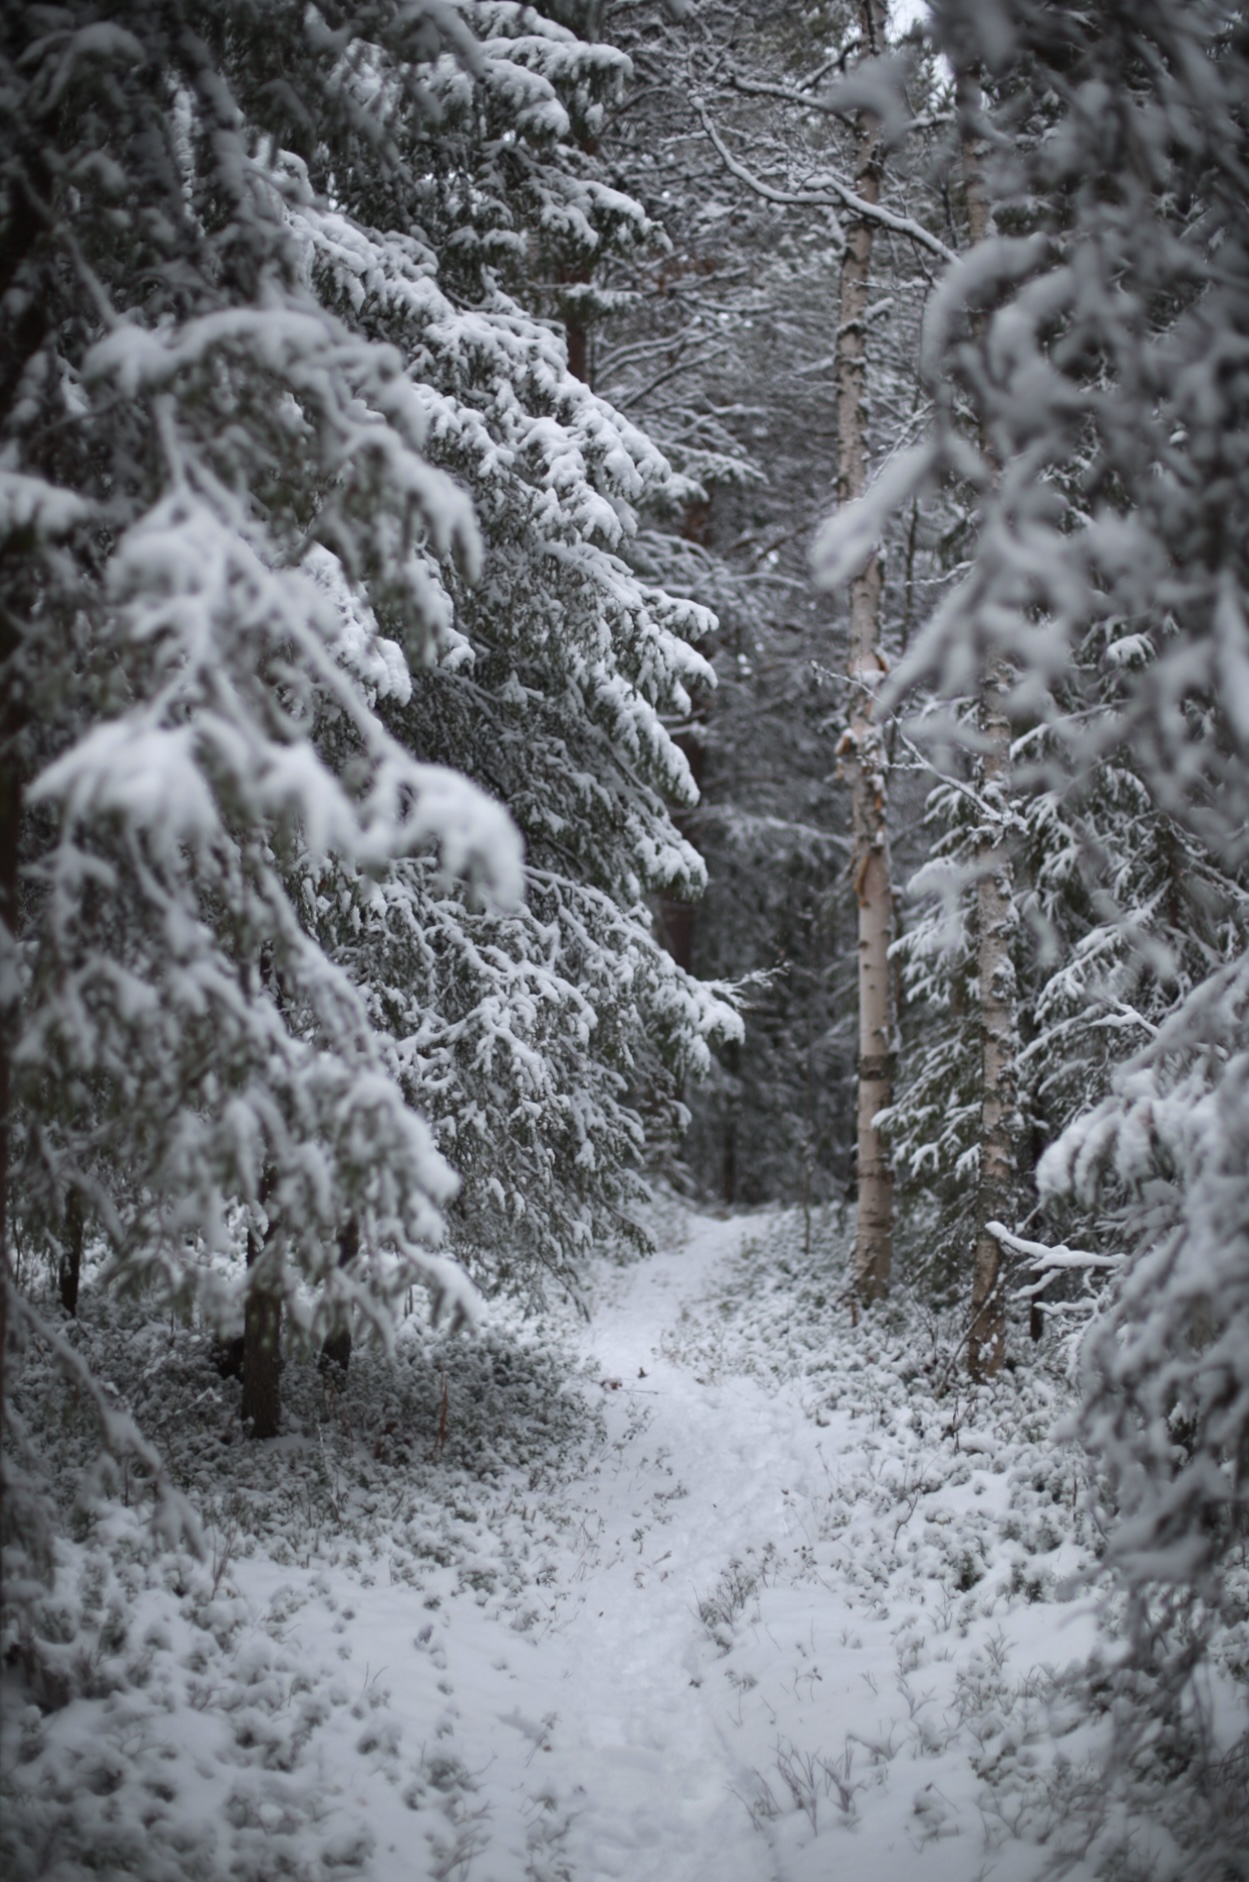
column 70, row 1271
column 676, row 916
column 11, row 715
column 732, row 1058
column 262, row 1349
column 578, row 348
column 580, row 272
column 26, row 223
column 337, row 1348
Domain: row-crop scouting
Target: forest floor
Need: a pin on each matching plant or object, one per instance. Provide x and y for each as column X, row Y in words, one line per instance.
column 715, row 1586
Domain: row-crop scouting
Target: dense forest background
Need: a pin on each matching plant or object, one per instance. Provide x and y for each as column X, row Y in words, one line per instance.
column 619, row 594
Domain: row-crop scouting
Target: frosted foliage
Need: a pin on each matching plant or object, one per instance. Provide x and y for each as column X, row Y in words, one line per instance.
column 325, row 650
column 1122, row 915
column 184, row 1048
column 1111, row 343
column 933, row 1126
column 529, row 1039
column 1167, row 1392
column 1100, row 341
column 519, row 1036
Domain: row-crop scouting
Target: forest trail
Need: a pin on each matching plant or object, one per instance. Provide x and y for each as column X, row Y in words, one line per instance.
column 737, row 1678
column 712, row 1589
column 699, row 1470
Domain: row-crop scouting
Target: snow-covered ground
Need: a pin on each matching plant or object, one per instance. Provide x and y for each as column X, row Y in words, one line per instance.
column 717, row 1586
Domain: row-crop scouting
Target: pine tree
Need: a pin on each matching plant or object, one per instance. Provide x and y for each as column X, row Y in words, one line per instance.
column 555, row 701
column 185, row 426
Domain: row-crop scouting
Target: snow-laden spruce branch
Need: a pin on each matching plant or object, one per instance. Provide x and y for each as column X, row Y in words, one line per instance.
column 1003, row 814
column 850, row 537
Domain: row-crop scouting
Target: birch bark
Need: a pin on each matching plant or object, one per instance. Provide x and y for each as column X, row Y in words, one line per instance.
column 861, row 751
column 996, row 915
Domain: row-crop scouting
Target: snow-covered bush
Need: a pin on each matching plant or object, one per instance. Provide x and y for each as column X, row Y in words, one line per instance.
column 163, row 1715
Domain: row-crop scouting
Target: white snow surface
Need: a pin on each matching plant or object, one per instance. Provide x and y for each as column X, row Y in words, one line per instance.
column 695, row 1637
column 761, row 1613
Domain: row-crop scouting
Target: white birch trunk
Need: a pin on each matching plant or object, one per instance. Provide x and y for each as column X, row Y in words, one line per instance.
column 996, row 925
column 861, row 751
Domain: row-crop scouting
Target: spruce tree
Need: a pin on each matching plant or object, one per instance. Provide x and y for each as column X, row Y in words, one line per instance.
column 332, row 746
column 1099, row 344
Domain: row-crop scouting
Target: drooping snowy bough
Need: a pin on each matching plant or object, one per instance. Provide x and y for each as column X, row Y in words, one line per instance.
column 331, row 748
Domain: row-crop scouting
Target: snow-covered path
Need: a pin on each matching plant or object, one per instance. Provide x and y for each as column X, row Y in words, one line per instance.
column 734, row 1641
column 726, row 1682
column 605, row 1725
column 700, row 1471
column 719, row 1588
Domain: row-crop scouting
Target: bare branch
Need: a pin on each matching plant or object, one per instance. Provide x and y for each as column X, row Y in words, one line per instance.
column 787, row 199
column 836, row 196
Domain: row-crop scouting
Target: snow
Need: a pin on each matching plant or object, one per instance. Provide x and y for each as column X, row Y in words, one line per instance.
column 848, row 539
column 28, row 502
column 708, row 1587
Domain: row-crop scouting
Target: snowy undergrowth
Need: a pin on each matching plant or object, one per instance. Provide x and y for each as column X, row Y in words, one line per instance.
column 722, row 1585
column 936, row 1659
column 905, row 1648
column 178, row 1717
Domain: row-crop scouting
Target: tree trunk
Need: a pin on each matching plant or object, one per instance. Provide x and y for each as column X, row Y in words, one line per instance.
column 732, row 1062
column 70, row 1269
column 861, row 751
column 11, row 714
column 577, row 333
column 997, row 923
column 996, row 917
column 262, row 1347
column 676, row 916
column 578, row 275
column 336, row 1348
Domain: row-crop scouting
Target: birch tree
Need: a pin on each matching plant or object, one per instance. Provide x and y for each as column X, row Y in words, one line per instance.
column 997, row 921
column 861, row 752
column 985, row 985
column 758, row 191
